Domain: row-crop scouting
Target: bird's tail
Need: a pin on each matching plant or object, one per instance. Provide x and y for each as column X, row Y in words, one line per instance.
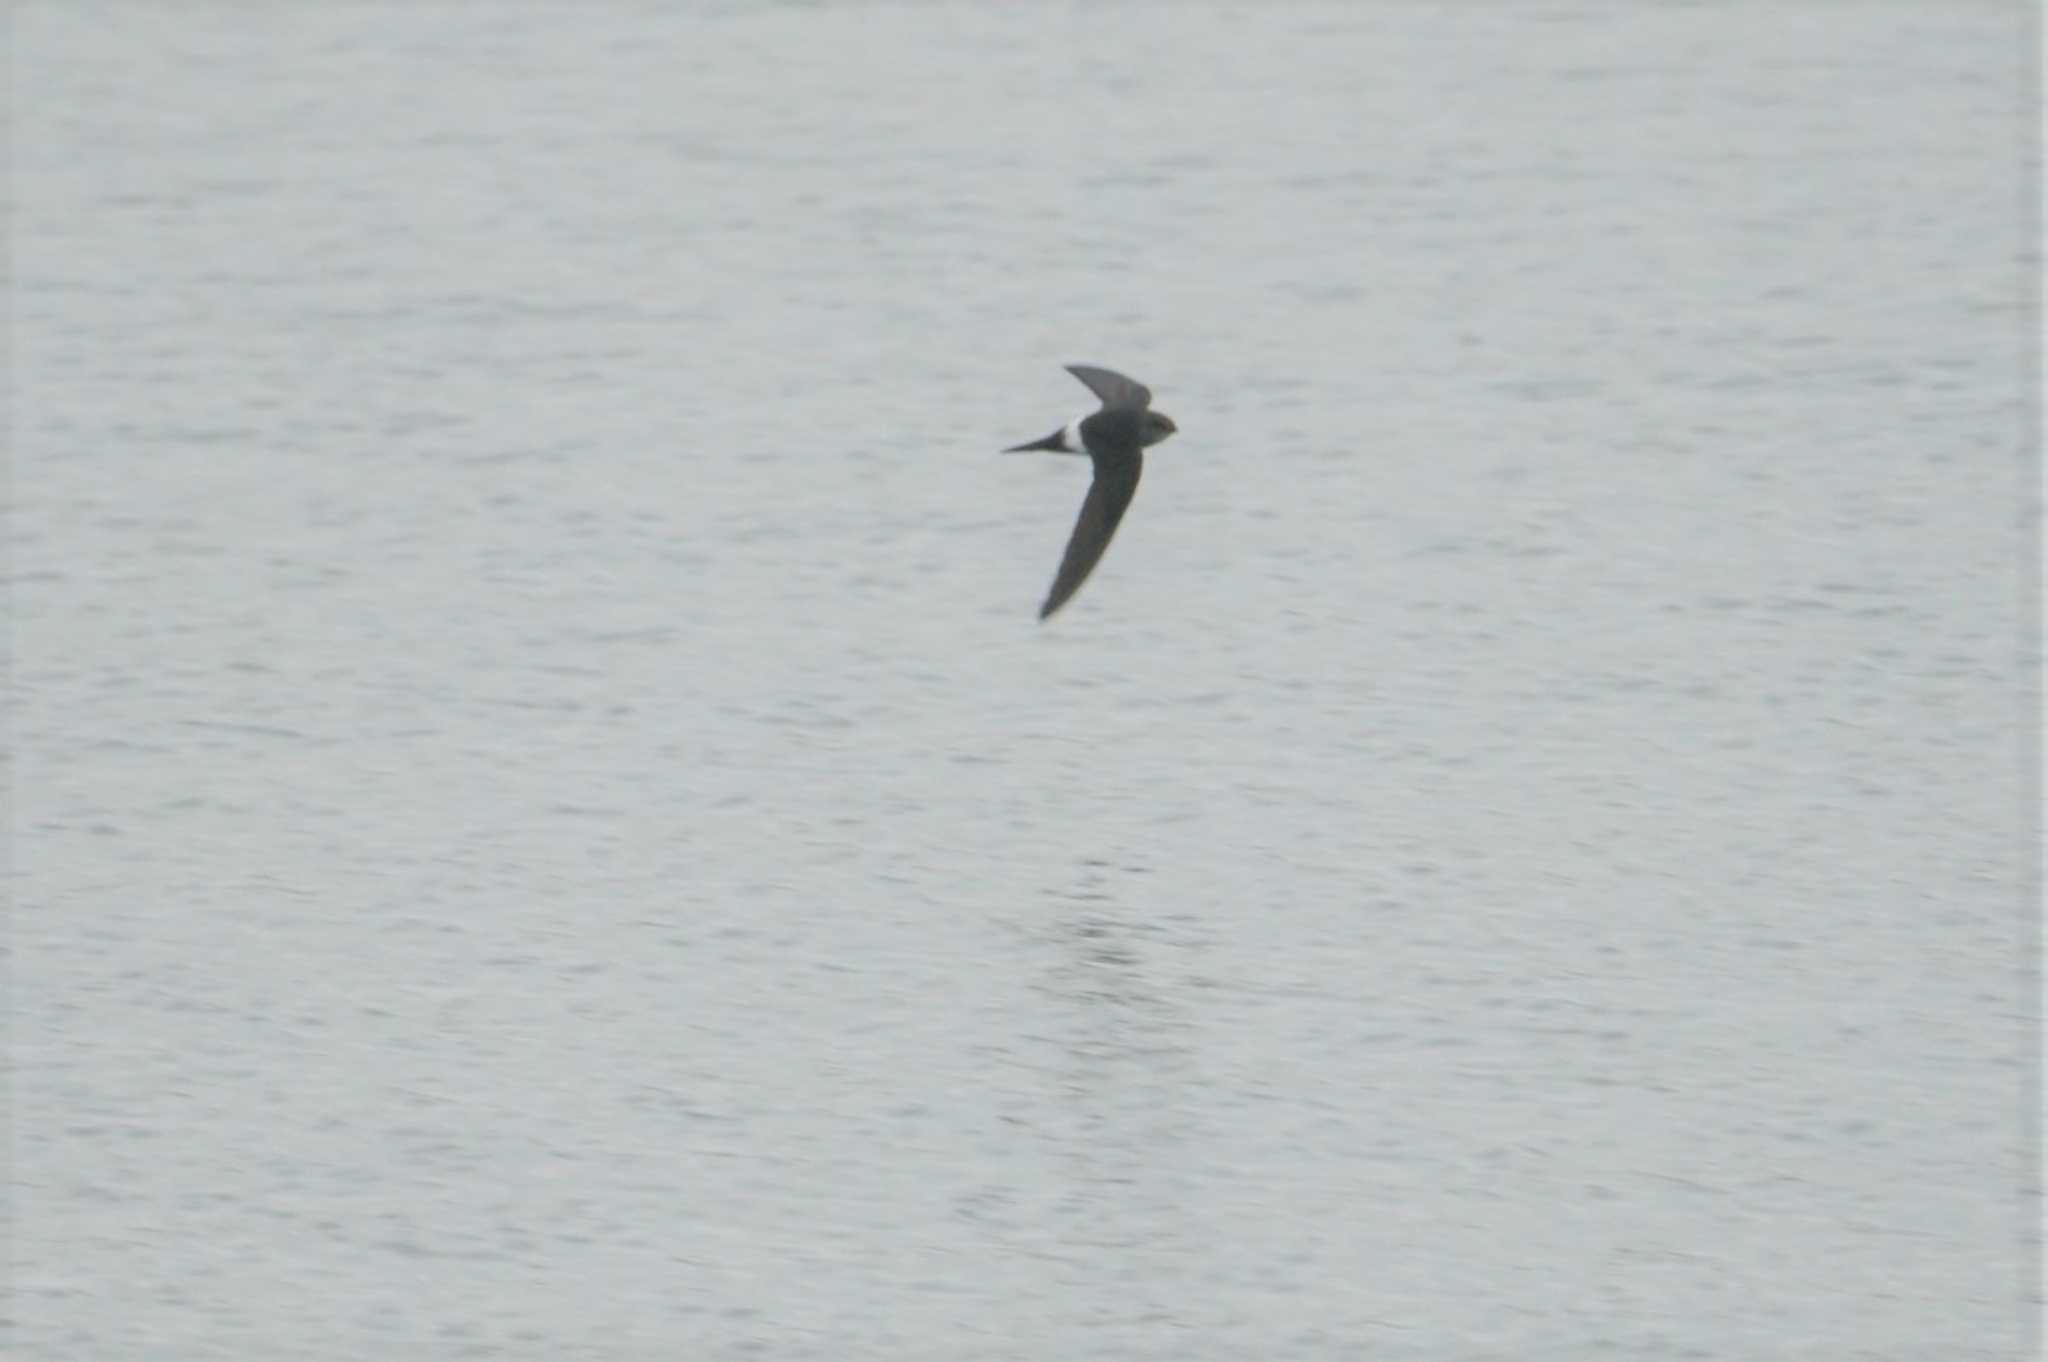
column 1052, row 442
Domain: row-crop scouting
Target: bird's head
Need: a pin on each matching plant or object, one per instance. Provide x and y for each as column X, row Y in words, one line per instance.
column 1157, row 426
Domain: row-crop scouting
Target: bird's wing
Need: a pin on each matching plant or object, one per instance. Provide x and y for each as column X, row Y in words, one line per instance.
column 1116, row 482
column 1114, row 389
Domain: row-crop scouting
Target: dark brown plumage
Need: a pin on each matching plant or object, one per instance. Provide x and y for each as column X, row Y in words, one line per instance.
column 1114, row 439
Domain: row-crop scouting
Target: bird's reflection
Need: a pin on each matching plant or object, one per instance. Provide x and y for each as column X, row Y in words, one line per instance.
column 1122, row 1101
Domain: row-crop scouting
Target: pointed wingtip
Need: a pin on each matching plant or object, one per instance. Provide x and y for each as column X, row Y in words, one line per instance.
column 1112, row 388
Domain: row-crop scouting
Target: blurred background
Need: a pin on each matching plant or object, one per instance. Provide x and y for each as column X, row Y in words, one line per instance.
column 545, row 825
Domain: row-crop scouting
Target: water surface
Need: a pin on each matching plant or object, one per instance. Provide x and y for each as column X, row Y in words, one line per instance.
column 545, row 825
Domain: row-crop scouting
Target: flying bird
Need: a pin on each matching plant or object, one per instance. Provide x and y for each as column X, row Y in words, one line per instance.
column 1115, row 438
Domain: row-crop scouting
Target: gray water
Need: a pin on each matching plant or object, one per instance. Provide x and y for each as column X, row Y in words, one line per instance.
column 545, row 825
